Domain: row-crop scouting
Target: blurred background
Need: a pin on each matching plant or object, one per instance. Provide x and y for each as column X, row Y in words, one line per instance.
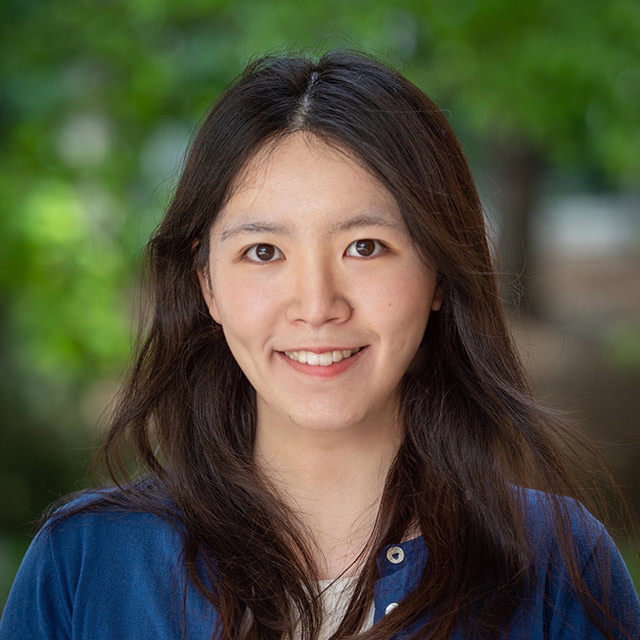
column 98, row 100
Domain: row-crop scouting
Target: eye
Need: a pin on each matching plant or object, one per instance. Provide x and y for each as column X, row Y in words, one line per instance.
column 365, row 248
column 262, row 253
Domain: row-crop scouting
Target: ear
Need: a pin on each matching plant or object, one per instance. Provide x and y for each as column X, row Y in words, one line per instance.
column 207, row 294
column 205, row 284
column 436, row 303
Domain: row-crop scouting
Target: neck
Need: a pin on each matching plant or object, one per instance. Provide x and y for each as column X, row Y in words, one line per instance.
column 333, row 481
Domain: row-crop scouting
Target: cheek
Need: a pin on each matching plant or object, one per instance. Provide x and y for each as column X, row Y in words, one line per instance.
column 244, row 307
column 402, row 301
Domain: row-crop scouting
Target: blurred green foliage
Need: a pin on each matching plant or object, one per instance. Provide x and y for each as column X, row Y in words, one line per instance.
column 98, row 100
column 623, row 345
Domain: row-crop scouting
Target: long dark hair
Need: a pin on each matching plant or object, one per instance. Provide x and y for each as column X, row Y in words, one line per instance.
column 473, row 433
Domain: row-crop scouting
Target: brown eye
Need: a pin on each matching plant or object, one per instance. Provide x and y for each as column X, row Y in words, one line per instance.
column 265, row 251
column 364, row 248
column 262, row 253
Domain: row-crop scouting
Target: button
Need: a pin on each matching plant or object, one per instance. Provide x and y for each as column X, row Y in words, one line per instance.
column 395, row 555
column 390, row 608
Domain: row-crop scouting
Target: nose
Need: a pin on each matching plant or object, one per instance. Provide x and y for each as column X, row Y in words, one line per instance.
column 319, row 294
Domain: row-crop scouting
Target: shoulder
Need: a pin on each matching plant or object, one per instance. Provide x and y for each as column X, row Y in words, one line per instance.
column 106, row 537
column 98, row 532
column 106, row 518
column 548, row 515
column 97, row 558
column 110, row 537
column 106, row 529
column 561, row 530
column 570, row 545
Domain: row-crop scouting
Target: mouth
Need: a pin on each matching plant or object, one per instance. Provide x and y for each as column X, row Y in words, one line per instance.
column 325, row 359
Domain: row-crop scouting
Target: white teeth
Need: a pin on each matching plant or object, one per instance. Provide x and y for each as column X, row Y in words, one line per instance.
column 321, row 359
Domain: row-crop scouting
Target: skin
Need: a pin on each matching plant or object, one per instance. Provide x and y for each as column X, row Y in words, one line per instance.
column 324, row 441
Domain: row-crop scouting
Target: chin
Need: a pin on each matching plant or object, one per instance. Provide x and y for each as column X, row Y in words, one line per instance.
column 326, row 422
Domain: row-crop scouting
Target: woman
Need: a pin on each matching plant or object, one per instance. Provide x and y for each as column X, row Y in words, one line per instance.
column 326, row 429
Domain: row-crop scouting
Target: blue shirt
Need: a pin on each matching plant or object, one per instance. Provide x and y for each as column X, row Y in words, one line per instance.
column 105, row 575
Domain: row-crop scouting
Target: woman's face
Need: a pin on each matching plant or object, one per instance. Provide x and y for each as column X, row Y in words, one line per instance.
column 311, row 264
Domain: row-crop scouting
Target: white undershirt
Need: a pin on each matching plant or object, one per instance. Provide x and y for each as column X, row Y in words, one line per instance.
column 336, row 595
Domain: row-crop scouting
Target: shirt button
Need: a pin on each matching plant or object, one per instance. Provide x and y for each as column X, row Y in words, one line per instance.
column 390, row 608
column 395, row 555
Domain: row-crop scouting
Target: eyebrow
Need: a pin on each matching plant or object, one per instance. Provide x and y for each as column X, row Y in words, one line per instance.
column 356, row 222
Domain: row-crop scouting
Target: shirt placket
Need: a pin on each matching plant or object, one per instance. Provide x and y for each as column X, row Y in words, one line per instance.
column 400, row 567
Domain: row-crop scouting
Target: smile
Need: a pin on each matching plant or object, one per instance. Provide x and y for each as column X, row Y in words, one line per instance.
column 321, row 359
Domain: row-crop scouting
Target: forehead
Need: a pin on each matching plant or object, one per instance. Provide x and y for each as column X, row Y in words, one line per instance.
column 303, row 180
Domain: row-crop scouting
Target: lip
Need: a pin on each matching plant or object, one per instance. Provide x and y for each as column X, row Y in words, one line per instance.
column 318, row 371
